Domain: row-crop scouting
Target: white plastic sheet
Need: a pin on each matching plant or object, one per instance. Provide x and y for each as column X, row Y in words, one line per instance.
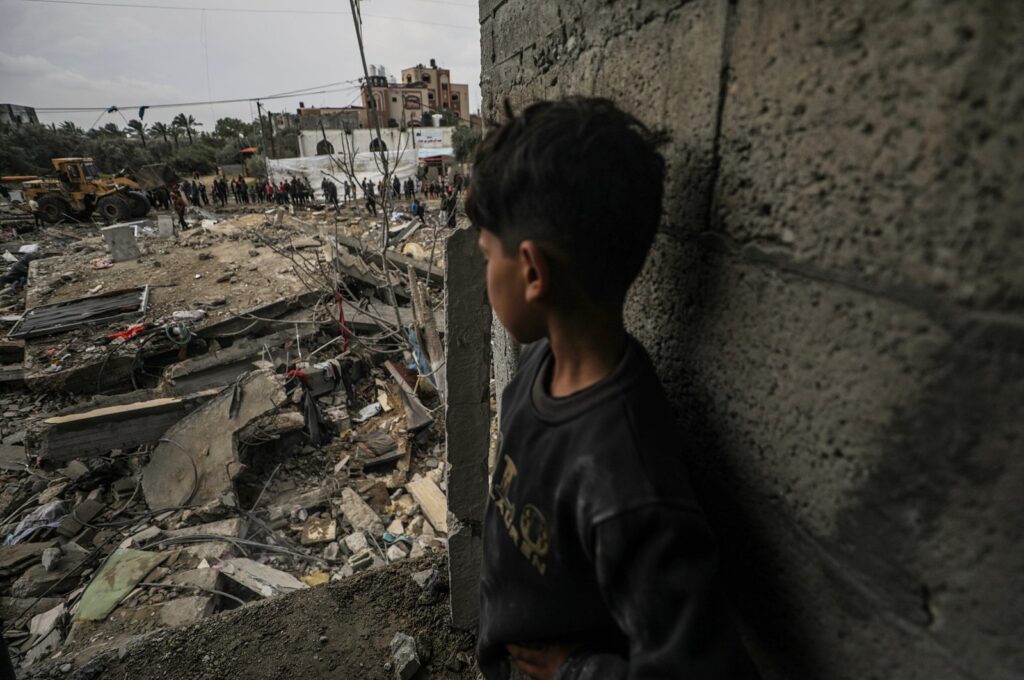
column 315, row 168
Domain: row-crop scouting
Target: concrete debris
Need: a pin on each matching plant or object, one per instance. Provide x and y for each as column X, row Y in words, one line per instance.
column 359, row 514
column 404, row 659
column 261, row 579
column 197, row 458
column 253, row 436
column 116, row 426
column 319, row 530
column 364, row 559
column 432, row 500
column 50, row 557
column 79, row 517
column 356, row 542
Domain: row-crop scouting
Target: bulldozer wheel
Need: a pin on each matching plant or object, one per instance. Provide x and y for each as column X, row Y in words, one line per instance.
column 113, row 209
column 53, row 208
column 139, row 203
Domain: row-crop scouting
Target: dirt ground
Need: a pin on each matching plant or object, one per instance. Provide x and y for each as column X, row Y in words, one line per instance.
column 341, row 630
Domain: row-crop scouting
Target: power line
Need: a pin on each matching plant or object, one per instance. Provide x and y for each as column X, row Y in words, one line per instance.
column 286, row 95
column 248, row 10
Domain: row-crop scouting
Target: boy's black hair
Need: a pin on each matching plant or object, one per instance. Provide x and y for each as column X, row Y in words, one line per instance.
column 578, row 175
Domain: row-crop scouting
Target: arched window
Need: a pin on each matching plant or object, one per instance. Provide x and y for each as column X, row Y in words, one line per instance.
column 324, row 148
column 378, row 145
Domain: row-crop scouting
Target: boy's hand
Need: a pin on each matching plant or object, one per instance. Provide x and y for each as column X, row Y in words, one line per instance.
column 540, row 663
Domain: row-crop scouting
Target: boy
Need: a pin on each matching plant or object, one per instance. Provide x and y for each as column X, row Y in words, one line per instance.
column 597, row 561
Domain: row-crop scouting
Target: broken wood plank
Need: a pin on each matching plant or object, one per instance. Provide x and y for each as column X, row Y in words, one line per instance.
column 81, row 435
column 432, row 501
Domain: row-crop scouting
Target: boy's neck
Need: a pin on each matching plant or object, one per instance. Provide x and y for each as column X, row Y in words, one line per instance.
column 585, row 351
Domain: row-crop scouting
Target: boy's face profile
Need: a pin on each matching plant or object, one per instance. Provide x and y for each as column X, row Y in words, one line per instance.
column 516, row 286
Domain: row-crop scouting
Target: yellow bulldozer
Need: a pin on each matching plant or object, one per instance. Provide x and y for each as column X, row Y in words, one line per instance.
column 78, row 191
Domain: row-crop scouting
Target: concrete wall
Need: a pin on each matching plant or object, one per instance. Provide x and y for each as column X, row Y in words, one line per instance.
column 835, row 303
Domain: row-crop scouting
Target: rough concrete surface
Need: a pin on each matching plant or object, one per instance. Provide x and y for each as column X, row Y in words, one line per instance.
column 467, row 417
column 834, row 304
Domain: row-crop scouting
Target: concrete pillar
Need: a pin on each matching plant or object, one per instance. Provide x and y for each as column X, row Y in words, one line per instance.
column 120, row 240
column 467, row 418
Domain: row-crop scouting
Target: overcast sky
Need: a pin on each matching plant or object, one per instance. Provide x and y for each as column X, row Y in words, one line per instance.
column 69, row 55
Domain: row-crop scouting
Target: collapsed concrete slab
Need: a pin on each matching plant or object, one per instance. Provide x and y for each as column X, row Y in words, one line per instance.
column 197, row 459
column 122, row 426
column 261, row 579
column 224, row 366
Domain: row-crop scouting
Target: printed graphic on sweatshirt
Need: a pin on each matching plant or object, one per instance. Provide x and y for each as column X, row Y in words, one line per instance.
column 530, row 532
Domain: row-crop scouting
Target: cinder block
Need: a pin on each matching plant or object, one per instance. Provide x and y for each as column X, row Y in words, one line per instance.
column 120, row 241
column 871, row 137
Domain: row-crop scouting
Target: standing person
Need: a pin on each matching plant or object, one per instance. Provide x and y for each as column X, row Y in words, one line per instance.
column 348, row 191
column 333, row 188
column 371, row 201
column 202, row 193
column 37, row 215
column 597, row 560
column 396, row 188
column 179, row 206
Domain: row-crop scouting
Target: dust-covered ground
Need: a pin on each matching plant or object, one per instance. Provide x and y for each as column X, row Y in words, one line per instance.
column 341, row 630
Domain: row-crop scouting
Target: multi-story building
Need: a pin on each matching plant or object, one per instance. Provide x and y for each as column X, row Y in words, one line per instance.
column 12, row 115
column 398, row 103
column 421, row 90
column 441, row 92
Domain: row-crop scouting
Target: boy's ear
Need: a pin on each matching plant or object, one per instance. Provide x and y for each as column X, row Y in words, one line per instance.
column 535, row 267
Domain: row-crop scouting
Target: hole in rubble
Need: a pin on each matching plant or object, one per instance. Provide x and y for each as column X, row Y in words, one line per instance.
column 261, row 459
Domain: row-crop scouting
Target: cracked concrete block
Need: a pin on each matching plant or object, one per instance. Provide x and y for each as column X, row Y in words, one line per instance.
column 120, row 241
column 359, row 514
column 877, row 136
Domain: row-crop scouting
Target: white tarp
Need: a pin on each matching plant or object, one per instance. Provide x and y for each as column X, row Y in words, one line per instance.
column 315, row 168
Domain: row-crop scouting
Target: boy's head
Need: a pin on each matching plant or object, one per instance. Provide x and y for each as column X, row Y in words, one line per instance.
column 567, row 197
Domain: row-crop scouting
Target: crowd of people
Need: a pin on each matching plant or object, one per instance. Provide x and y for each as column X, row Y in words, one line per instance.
column 299, row 191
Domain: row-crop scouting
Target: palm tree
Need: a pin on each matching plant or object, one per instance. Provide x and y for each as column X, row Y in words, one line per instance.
column 162, row 130
column 69, row 127
column 186, row 123
column 138, row 127
column 175, row 130
column 111, row 129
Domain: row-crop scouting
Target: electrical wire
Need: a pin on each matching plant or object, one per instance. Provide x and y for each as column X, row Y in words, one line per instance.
column 105, row 109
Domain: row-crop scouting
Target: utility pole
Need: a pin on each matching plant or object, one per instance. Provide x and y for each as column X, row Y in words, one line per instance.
column 357, row 19
column 263, row 138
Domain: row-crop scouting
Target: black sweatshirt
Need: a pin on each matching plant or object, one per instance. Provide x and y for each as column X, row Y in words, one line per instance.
column 592, row 536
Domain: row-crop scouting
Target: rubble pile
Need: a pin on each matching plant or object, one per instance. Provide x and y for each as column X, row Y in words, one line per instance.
column 196, row 421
